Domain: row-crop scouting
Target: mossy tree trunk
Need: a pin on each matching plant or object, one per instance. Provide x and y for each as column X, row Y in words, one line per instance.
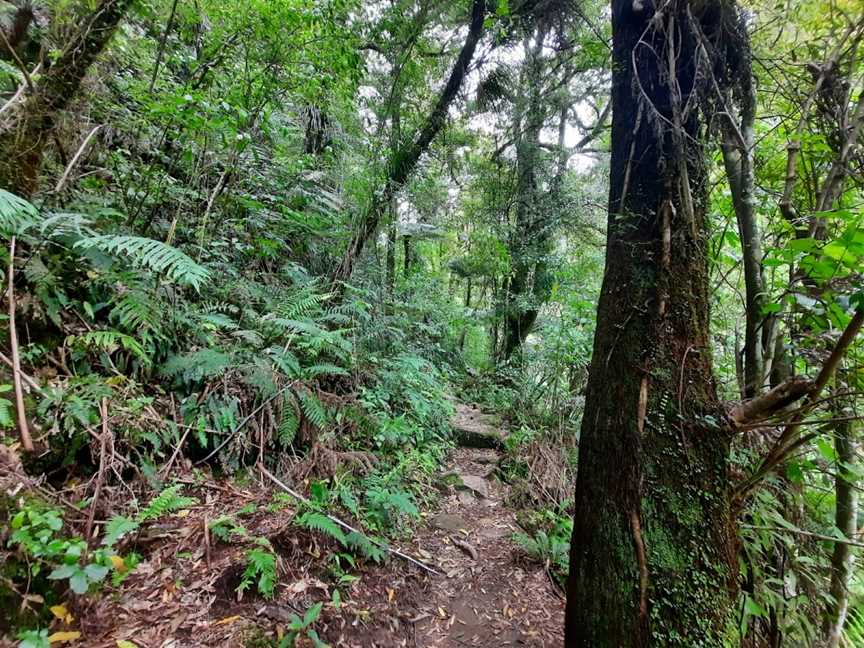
column 653, row 554
column 27, row 126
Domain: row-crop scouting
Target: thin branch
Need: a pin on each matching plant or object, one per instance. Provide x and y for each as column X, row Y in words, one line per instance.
column 62, row 181
column 802, row 532
column 18, row 62
column 26, row 439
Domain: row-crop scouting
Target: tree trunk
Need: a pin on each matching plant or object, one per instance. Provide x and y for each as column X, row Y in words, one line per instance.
column 528, row 242
column 653, row 552
column 845, row 518
column 27, row 129
column 403, row 162
column 738, row 148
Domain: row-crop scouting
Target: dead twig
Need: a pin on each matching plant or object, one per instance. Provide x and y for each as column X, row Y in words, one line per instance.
column 26, row 439
column 62, row 181
column 100, row 476
column 32, row 384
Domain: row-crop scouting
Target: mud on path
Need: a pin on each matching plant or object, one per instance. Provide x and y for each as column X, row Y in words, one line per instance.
column 183, row 594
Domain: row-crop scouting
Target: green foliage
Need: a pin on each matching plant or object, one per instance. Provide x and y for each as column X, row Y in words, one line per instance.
column 297, row 627
column 260, row 570
column 35, row 536
column 153, row 255
column 168, row 501
column 16, row 214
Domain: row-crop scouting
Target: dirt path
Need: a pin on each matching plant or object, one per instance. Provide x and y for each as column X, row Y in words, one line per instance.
column 183, row 594
column 488, row 595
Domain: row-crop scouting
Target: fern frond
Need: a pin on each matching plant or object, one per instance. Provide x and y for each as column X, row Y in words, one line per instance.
column 364, row 546
column 322, row 524
column 196, row 365
column 16, row 214
column 284, row 361
column 152, row 254
column 168, row 501
column 109, row 341
column 290, row 421
column 313, row 409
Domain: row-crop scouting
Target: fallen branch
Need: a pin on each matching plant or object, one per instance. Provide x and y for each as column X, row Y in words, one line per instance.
column 26, row 440
column 347, row 526
column 243, row 423
column 100, row 476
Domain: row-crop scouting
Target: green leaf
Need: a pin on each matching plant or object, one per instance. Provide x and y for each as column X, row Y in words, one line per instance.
column 117, row 527
column 96, row 572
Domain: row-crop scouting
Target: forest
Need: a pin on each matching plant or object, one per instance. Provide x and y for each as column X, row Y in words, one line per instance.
column 343, row 323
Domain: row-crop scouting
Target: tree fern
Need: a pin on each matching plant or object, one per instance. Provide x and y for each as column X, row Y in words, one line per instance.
column 16, row 214
column 152, row 254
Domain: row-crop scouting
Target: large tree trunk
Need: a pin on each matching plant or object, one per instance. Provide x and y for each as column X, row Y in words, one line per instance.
column 653, row 553
column 27, row 126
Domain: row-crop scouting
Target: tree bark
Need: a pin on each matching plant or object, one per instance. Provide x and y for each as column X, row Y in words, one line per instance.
column 30, row 123
column 738, row 149
column 653, row 552
column 845, row 519
column 402, row 164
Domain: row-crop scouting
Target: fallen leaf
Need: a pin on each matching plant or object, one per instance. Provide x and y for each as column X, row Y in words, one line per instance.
column 62, row 613
column 391, row 594
column 122, row 643
column 227, row 620
column 68, row 635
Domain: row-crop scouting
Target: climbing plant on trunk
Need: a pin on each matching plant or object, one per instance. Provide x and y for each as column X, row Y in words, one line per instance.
column 653, row 553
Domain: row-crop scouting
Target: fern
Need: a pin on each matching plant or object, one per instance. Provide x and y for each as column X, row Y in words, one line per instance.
column 323, row 369
column 16, row 214
column 260, row 569
column 322, row 524
column 197, row 365
column 135, row 310
column 152, row 254
column 290, row 421
column 109, row 341
column 116, row 528
column 853, row 633
column 314, row 411
column 364, row 546
column 284, row 361
column 167, row 501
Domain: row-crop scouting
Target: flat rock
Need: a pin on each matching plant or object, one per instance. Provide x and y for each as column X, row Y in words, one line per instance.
column 474, row 484
column 474, row 429
column 448, row 522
